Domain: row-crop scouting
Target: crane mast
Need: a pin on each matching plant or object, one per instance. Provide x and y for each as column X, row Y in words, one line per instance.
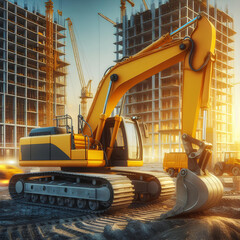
column 49, row 63
column 85, row 89
column 123, row 7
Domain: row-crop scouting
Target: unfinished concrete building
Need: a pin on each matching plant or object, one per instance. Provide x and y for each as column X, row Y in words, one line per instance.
column 23, row 74
column 158, row 99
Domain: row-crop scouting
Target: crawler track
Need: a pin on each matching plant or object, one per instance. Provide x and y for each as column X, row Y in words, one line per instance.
column 90, row 192
column 120, row 189
column 166, row 186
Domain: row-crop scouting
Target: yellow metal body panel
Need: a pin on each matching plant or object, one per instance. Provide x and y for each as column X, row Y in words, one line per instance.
column 134, row 163
column 96, row 163
column 78, row 154
column 87, row 154
column 176, row 160
column 63, row 142
column 40, row 139
column 95, row 154
column 54, row 163
column 95, row 158
column 24, row 141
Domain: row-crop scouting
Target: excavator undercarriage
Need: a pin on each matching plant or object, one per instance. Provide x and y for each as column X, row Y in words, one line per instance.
column 92, row 191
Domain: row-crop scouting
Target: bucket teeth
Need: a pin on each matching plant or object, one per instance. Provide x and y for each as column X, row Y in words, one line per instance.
column 195, row 193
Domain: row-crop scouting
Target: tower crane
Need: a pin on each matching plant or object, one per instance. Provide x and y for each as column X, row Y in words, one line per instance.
column 49, row 62
column 123, row 7
column 85, row 88
column 123, row 11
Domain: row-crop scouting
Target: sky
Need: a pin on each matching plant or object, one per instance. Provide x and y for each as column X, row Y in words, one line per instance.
column 95, row 38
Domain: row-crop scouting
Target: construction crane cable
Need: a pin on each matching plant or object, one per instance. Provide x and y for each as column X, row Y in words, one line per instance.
column 85, row 88
column 99, row 44
column 76, row 54
column 82, row 54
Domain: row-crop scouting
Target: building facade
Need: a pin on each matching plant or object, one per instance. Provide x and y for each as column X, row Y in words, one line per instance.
column 158, row 99
column 23, row 74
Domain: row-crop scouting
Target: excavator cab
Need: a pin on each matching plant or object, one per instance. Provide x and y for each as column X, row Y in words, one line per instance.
column 128, row 144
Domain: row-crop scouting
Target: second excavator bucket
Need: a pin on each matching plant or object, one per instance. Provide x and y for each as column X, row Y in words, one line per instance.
column 195, row 193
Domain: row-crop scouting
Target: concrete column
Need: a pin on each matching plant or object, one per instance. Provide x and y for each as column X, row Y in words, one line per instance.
column 153, row 21
column 160, row 91
column 170, row 142
column 214, row 123
column 153, row 81
column 54, row 79
column 141, row 27
column 179, row 14
column 5, row 79
column 171, row 27
column 117, row 45
column 37, row 105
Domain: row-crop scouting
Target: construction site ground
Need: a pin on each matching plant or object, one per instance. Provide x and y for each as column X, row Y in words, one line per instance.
column 139, row 221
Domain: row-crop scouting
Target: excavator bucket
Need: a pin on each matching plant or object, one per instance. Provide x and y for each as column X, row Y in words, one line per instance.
column 195, row 193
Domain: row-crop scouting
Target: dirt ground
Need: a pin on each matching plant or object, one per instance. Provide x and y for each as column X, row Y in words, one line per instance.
column 220, row 222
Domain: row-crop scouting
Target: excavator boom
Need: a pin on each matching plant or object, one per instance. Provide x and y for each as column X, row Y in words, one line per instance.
column 145, row 64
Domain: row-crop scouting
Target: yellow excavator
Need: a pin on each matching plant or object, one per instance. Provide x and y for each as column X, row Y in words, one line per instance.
column 90, row 178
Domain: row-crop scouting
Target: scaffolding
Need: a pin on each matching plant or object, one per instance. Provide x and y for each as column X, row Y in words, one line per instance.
column 158, row 99
column 23, row 74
